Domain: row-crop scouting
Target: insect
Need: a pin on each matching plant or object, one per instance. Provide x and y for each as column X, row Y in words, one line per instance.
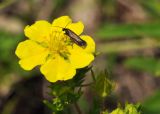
column 75, row 38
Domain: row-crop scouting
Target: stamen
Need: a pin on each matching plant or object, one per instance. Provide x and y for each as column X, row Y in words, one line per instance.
column 58, row 43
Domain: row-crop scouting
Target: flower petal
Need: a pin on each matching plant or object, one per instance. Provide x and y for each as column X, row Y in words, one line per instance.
column 57, row 69
column 39, row 31
column 31, row 62
column 31, row 54
column 79, row 58
column 76, row 27
column 62, row 21
column 90, row 48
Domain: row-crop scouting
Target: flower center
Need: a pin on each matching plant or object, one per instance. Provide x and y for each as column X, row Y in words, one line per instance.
column 58, row 42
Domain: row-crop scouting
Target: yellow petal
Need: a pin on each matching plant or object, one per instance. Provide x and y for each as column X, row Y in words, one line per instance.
column 90, row 48
column 76, row 27
column 30, row 62
column 39, row 31
column 62, row 21
column 31, row 54
column 79, row 58
column 57, row 69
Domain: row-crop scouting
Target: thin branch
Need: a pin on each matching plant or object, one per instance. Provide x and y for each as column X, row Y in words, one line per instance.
column 84, row 85
column 93, row 75
column 77, row 108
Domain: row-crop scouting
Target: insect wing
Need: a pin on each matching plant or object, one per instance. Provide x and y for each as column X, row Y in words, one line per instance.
column 76, row 38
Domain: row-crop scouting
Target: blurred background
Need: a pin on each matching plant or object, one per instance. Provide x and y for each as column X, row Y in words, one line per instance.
column 127, row 35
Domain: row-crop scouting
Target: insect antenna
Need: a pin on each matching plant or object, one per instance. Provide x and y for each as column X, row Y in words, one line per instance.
column 63, row 27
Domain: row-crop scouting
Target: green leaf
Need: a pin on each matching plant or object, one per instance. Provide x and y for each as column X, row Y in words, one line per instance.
column 147, row 64
column 152, row 104
column 66, row 92
column 110, row 31
column 151, row 7
column 8, row 45
column 104, row 85
column 129, row 109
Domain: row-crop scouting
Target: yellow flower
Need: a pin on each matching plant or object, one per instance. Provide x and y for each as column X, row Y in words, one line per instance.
column 49, row 47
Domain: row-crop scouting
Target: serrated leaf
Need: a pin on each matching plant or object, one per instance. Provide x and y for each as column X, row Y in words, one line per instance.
column 103, row 84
